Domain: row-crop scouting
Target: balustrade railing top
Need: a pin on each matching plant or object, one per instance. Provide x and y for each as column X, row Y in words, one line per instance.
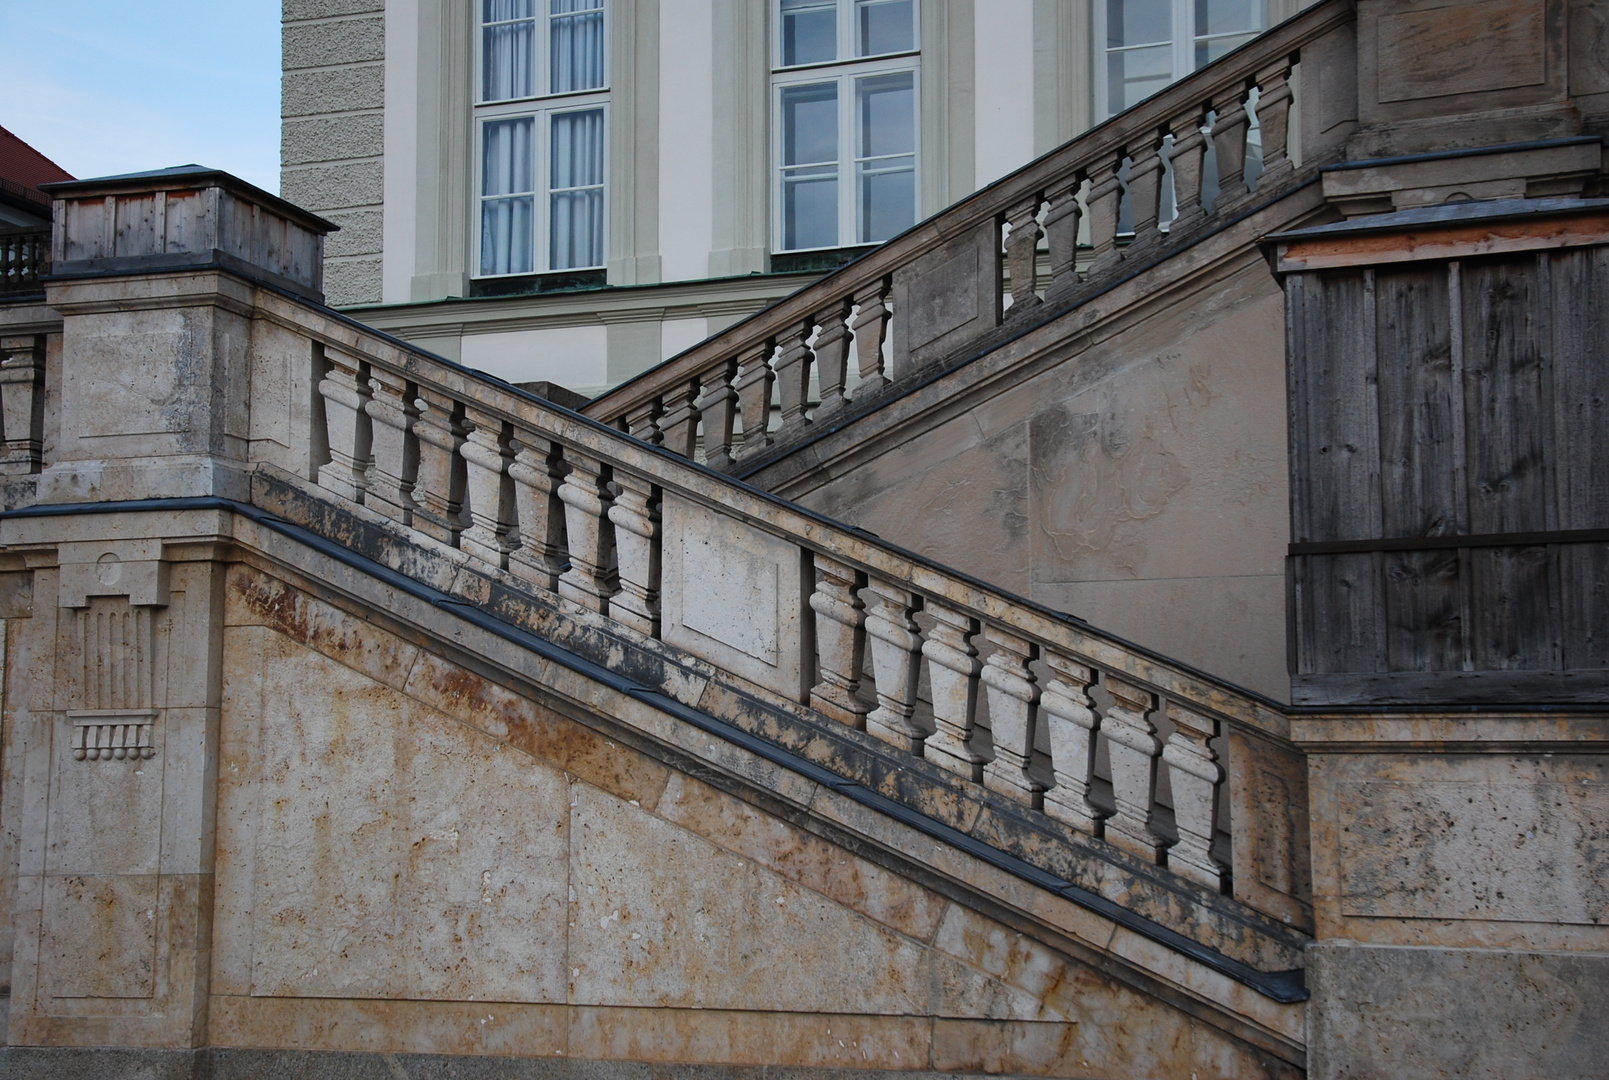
column 729, row 380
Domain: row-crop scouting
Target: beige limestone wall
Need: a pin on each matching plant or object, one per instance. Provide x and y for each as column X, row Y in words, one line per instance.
column 332, row 137
column 413, row 858
column 1139, row 484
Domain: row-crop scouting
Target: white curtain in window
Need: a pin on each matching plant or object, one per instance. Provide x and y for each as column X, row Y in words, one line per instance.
column 576, row 230
column 508, row 49
column 575, row 45
column 508, row 199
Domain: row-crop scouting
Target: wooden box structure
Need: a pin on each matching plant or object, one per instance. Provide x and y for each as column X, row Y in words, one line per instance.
column 1449, row 437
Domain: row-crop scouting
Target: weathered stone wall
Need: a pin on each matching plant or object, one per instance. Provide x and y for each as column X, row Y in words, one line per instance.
column 414, row 839
column 1139, row 484
column 332, row 133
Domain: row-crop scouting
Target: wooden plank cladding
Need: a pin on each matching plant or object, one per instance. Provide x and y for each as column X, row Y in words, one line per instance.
column 1450, row 533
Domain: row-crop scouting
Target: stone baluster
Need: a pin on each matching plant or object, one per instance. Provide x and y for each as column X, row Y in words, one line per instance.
column 952, row 671
column 717, row 404
column 642, row 423
column 679, row 422
column 871, row 327
column 1197, row 782
column 1072, row 722
column 537, row 472
column 1132, row 744
column 1013, row 714
column 345, row 389
column 635, row 516
column 840, row 641
column 393, row 413
column 793, row 374
column 438, row 493
column 754, row 380
column 589, row 533
column 1273, row 120
column 490, row 489
column 1189, row 152
column 22, row 403
column 1145, row 191
column 1229, row 145
column 832, row 357
column 896, row 644
column 1105, row 198
column 1022, row 250
column 1061, row 231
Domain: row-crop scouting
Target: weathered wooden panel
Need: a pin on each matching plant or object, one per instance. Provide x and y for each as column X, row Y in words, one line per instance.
column 1580, row 335
column 1584, row 605
column 1511, row 609
column 1424, row 611
column 1418, row 448
column 1336, row 421
column 1506, row 419
column 1340, row 602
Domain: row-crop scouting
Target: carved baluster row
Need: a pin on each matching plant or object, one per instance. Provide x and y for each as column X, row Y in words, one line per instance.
column 511, row 499
column 740, row 389
column 854, row 615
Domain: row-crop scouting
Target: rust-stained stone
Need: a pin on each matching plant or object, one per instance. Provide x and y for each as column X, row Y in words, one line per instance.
column 803, row 857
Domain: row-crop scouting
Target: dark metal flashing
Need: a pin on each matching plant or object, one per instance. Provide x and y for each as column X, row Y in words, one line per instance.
column 1467, row 212
column 1477, row 151
column 1282, row 986
column 177, row 262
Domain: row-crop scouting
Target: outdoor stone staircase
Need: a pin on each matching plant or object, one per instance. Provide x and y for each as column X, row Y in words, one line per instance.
column 935, row 701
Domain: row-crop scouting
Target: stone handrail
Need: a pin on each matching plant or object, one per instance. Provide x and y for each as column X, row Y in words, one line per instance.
column 561, row 503
column 725, row 394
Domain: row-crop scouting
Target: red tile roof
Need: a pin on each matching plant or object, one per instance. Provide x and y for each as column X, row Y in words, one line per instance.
column 23, row 169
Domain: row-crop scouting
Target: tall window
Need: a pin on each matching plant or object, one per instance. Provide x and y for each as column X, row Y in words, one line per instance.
column 844, row 86
column 541, row 136
column 1150, row 43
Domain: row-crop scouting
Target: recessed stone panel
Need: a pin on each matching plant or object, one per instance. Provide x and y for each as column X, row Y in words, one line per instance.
column 1439, row 52
column 733, row 596
column 1503, row 851
column 99, row 936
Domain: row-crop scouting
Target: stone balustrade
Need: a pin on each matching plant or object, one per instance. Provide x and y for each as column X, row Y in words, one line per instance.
column 1032, row 704
column 974, row 270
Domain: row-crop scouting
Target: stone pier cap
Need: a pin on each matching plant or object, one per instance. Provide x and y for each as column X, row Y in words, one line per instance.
column 184, row 218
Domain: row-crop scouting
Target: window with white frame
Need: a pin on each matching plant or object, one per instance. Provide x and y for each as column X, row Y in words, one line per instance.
column 541, row 122
column 844, row 88
column 1147, row 44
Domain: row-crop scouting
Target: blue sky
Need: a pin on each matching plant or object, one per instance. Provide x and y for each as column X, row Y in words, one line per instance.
column 114, row 86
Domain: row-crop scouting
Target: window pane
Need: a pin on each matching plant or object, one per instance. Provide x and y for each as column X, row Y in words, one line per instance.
column 507, row 236
column 1138, row 22
column 810, row 208
column 884, row 26
column 576, row 43
column 885, row 168
column 886, row 112
column 1136, row 74
column 508, row 165
column 576, row 200
column 809, row 31
column 1228, row 16
column 508, row 49
column 810, row 124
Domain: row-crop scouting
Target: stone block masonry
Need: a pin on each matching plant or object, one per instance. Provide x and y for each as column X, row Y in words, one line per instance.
column 332, row 135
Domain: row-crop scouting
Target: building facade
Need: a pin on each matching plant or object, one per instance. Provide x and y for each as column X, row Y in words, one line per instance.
column 573, row 190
